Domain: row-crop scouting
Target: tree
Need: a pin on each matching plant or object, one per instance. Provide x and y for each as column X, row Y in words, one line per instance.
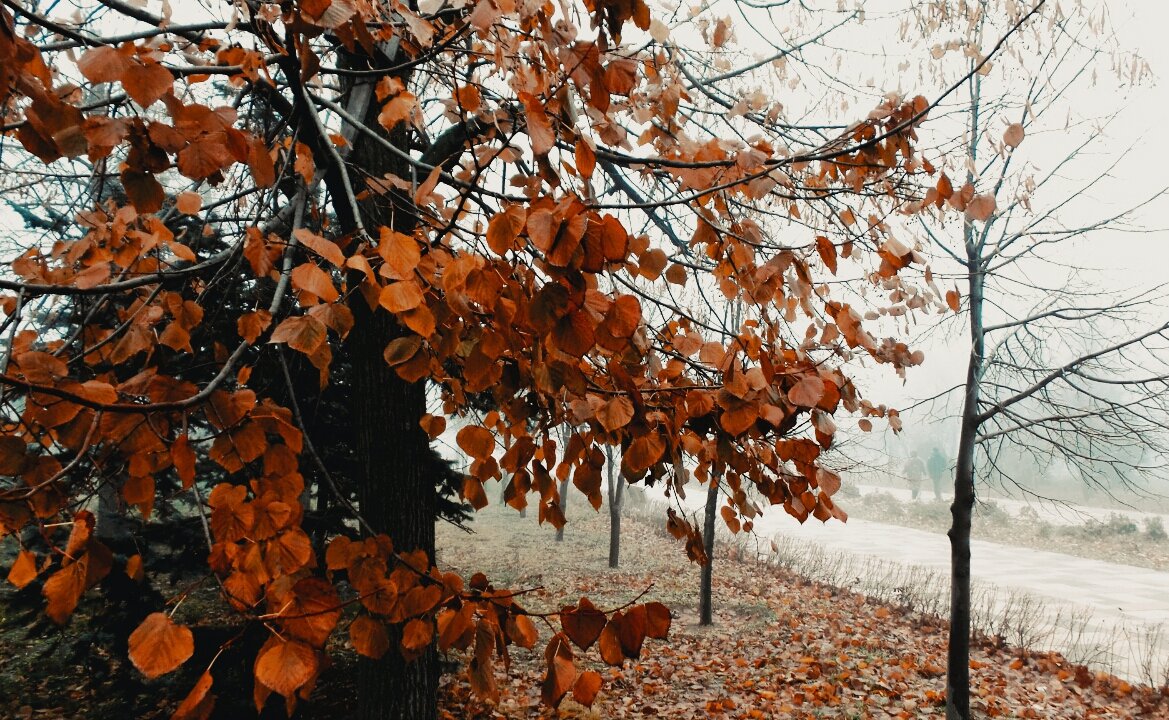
column 1079, row 373
column 616, row 487
column 447, row 198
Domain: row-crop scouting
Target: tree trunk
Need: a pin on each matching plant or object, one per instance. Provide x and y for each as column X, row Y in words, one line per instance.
column 395, row 496
column 563, row 508
column 616, row 497
column 705, row 597
column 962, row 510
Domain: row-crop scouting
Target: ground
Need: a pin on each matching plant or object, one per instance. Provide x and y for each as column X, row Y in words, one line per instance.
column 780, row 647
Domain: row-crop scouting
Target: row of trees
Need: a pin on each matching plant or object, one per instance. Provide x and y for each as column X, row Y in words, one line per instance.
column 257, row 235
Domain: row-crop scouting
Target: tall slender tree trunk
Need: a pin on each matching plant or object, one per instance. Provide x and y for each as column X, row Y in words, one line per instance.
column 962, row 510
column 705, row 594
column 395, row 495
column 616, row 499
column 563, row 508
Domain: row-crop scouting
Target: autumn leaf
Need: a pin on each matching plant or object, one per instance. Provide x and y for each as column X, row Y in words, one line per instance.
column 539, row 126
column 416, row 636
column 981, row 207
column 1013, row 135
column 146, row 83
column 188, row 203
column 585, row 690
column 615, row 414
column 369, row 637
column 23, row 570
column 285, row 666
column 159, row 646
column 401, row 296
column 953, row 300
column 310, row 278
column 199, row 702
column 561, row 673
column 303, row 333
column 807, row 392
column 326, row 249
column 582, row 623
column 103, row 64
column 476, row 441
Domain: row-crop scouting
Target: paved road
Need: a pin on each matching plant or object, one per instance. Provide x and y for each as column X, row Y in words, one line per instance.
column 1055, row 513
column 1123, row 600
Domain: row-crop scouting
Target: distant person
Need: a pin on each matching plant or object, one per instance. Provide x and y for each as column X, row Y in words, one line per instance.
column 937, row 468
column 914, row 472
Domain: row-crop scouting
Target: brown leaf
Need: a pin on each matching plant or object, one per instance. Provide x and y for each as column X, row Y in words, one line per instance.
column 585, row 690
column 582, row 623
column 146, row 83
column 807, row 392
column 561, row 671
column 1013, row 135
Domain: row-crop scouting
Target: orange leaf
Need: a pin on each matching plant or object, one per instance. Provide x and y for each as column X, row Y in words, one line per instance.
column 183, row 458
column 63, row 590
column 561, row 672
column 285, row 666
column 146, row 83
column 327, row 249
column 573, row 334
column 103, row 64
column 807, row 392
column 143, row 190
column 159, row 646
column 981, row 207
column 478, row 442
column 369, row 637
column 23, row 570
column 312, row 279
column 505, row 227
column 303, row 333
column 616, row 413
column 400, row 253
column 397, row 110
column 401, row 350
column 586, row 159
column 539, row 126
column 953, row 300
column 416, row 636
column 657, row 620
column 199, row 702
column 188, row 203
column 251, row 325
column 522, row 631
column 827, row 252
column 401, row 296
column 586, row 688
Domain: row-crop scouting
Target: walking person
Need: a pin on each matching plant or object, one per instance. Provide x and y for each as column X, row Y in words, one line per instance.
column 937, row 469
column 914, row 470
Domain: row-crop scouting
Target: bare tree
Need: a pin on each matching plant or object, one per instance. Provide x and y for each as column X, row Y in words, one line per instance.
column 1079, row 374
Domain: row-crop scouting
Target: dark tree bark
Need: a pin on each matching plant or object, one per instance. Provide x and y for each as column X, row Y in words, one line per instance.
column 395, row 495
column 962, row 510
column 616, row 500
column 705, row 596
